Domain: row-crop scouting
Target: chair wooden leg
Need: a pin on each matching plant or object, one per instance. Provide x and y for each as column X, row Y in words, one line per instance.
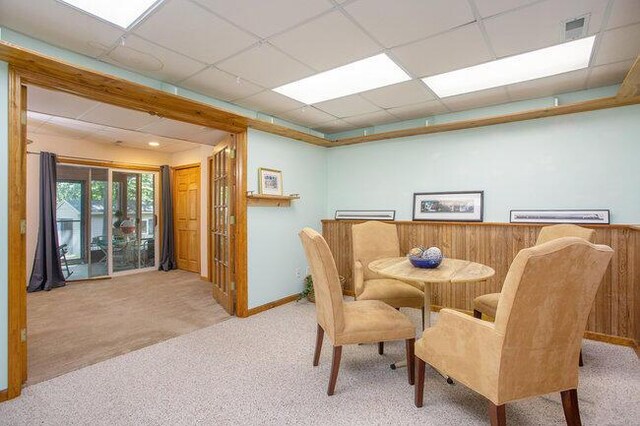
column 335, row 367
column 380, row 348
column 580, row 362
column 497, row 414
column 477, row 314
column 319, row 337
column 419, row 386
column 423, row 318
column 410, row 360
column 570, row 406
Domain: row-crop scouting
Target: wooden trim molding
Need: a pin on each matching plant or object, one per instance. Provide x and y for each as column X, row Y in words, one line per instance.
column 17, row 279
column 241, row 245
column 52, row 73
column 506, row 224
column 186, row 166
column 273, row 304
column 36, row 68
column 630, row 87
column 584, row 106
column 4, row 395
column 107, row 164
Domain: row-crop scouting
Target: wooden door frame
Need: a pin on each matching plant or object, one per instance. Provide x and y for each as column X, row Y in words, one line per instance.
column 174, row 193
column 103, row 88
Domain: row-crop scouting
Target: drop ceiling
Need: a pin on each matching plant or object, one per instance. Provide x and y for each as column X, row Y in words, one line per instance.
column 239, row 50
column 72, row 117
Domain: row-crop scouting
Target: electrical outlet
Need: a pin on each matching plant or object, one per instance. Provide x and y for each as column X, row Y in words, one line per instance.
column 298, row 273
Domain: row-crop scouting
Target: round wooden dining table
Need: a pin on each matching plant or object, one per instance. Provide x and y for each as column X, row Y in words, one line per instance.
column 453, row 271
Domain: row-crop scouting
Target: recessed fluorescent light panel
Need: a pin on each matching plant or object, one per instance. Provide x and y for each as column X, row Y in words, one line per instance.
column 553, row 60
column 123, row 13
column 371, row 73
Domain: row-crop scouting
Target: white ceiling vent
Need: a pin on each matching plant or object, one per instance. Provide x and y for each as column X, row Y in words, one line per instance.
column 575, row 28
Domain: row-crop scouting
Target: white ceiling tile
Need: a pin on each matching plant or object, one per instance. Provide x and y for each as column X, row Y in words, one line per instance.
column 406, row 93
column 606, row 75
column 209, row 137
column 460, row 48
column 123, row 118
column 619, row 45
column 539, row 25
column 57, row 103
column 423, row 109
column 154, row 61
column 269, row 102
column 371, row 119
column 193, row 31
column 59, row 24
column 549, row 86
column 488, row 8
column 479, row 99
column 347, row 106
column 402, row 21
column 624, row 12
column 265, row 66
column 327, row 42
column 265, row 18
column 220, row 84
column 172, row 129
column 307, row 116
column 334, row 126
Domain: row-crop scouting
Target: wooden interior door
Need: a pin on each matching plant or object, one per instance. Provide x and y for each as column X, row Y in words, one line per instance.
column 222, row 185
column 187, row 217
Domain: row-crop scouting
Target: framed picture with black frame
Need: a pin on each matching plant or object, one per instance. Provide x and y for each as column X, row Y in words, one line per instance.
column 458, row 206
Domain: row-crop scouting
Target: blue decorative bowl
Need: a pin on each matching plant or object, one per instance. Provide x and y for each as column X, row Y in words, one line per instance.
column 420, row 262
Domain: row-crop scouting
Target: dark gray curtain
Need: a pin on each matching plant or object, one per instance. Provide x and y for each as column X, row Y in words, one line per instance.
column 47, row 271
column 167, row 253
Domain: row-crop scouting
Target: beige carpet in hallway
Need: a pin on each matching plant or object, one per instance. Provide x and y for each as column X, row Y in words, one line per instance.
column 88, row 322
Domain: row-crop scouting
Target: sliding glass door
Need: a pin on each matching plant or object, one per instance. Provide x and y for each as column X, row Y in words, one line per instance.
column 106, row 221
column 133, row 220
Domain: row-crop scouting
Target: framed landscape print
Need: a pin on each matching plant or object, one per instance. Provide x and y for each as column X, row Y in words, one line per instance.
column 449, row 206
column 269, row 181
column 596, row 217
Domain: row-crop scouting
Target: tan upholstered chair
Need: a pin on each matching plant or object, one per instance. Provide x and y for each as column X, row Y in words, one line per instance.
column 376, row 240
column 347, row 323
column 532, row 347
column 488, row 303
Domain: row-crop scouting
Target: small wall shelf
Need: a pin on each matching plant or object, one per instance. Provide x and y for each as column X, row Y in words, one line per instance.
column 271, row 200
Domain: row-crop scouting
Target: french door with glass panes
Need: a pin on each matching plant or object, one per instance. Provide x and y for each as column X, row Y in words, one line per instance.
column 132, row 235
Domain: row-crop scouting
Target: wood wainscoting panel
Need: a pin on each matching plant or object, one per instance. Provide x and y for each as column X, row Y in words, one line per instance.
column 614, row 313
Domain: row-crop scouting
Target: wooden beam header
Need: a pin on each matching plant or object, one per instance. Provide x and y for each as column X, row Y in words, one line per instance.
column 52, row 73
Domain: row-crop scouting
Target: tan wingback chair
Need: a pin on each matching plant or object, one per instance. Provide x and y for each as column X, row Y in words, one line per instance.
column 532, row 347
column 488, row 303
column 372, row 241
column 366, row 321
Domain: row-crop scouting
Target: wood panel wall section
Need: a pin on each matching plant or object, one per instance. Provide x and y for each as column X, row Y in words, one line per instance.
column 615, row 316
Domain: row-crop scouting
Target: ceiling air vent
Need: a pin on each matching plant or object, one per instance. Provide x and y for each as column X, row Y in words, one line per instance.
column 576, row 28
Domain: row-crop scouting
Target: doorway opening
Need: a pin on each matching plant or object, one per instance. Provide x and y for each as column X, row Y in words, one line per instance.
column 109, row 218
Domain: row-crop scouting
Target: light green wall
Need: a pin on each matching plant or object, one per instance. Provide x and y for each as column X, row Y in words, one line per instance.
column 586, row 160
column 274, row 249
column 4, row 211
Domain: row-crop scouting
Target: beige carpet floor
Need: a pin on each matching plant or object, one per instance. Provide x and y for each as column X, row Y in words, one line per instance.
column 258, row 371
column 88, row 322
